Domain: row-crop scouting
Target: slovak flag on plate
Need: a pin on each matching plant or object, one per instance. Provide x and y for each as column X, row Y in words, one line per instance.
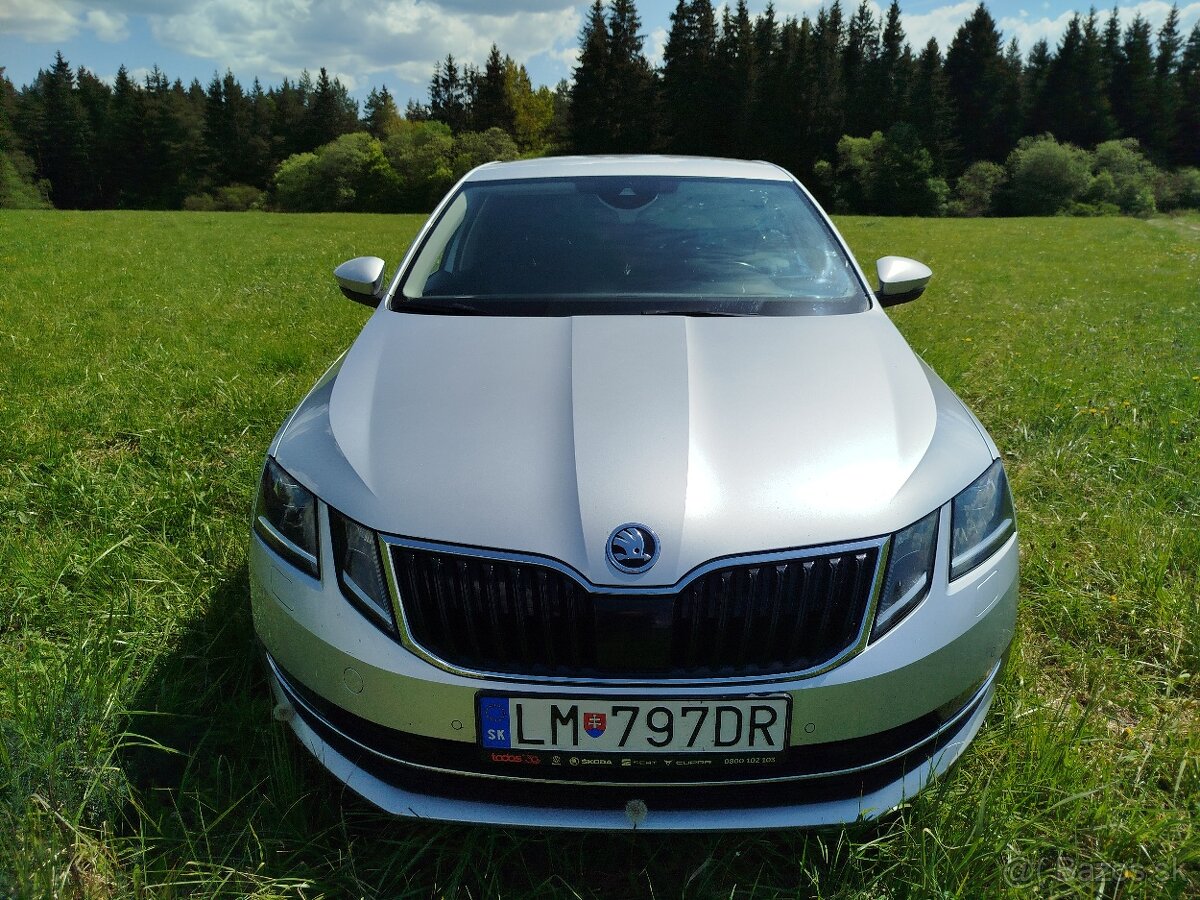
column 594, row 723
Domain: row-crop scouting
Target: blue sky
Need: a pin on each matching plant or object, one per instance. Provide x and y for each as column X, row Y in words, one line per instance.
column 396, row 42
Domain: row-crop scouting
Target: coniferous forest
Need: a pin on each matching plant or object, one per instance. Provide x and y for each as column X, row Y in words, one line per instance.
column 1105, row 120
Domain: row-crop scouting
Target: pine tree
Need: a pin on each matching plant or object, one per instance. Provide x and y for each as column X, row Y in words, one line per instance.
column 58, row 134
column 979, row 82
column 767, row 127
column 163, row 181
column 589, row 97
column 613, row 99
column 630, row 82
column 94, row 97
column 1167, row 97
column 124, row 141
column 1101, row 124
column 1033, row 86
column 860, row 58
column 1070, row 105
column 828, row 105
column 1187, row 135
column 893, row 69
column 492, row 106
column 687, row 79
column 930, row 110
column 380, row 114
column 1133, row 84
column 1012, row 100
column 222, row 134
column 1110, row 50
column 797, row 149
column 287, row 123
column 736, row 81
column 331, row 113
column 260, row 156
column 187, row 111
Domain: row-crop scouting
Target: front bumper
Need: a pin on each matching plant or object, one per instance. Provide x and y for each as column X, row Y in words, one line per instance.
column 864, row 737
column 357, row 754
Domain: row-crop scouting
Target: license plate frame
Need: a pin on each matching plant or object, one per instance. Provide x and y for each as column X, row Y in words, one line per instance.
column 526, row 714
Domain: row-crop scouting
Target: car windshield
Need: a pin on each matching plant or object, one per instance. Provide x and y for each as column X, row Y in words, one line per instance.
column 631, row 245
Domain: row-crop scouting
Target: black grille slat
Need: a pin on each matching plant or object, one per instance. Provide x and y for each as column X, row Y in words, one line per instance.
column 741, row 620
column 753, row 578
column 785, row 576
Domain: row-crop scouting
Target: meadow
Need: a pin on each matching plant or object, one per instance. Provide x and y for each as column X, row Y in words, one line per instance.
column 146, row 360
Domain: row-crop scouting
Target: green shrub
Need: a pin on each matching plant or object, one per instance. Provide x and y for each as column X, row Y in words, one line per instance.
column 1088, row 210
column 1102, row 190
column 1045, row 177
column 474, row 148
column 905, row 182
column 856, row 171
column 350, row 174
column 890, row 174
column 230, row 198
column 238, row 198
column 976, row 190
column 18, row 190
column 1132, row 175
column 1177, row 190
column 420, row 154
column 296, row 183
column 201, row 202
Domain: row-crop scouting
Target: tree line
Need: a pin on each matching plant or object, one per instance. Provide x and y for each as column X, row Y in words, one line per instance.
column 74, row 140
column 871, row 125
column 1110, row 114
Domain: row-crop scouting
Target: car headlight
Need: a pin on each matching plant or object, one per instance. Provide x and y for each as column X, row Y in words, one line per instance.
column 909, row 572
column 285, row 516
column 360, row 569
column 981, row 520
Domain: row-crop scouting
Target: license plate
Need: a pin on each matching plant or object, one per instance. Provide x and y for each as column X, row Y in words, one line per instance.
column 635, row 726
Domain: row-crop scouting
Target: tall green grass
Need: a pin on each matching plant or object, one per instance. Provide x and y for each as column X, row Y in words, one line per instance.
column 147, row 358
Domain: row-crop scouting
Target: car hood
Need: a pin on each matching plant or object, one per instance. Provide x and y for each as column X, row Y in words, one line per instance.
column 723, row 435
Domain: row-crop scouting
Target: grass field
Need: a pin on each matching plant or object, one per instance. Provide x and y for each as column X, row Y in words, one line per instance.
column 145, row 362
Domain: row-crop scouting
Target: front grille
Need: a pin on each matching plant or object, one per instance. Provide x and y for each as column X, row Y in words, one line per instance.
column 746, row 619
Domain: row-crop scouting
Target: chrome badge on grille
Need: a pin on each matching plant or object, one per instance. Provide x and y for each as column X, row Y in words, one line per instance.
column 632, row 548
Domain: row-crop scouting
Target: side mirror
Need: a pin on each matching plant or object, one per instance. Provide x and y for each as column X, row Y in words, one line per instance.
column 900, row 279
column 361, row 279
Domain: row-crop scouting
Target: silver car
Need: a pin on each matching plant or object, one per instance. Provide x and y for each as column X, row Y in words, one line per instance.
column 630, row 508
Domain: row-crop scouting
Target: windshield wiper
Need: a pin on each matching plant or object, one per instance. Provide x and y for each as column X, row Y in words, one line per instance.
column 440, row 305
column 694, row 311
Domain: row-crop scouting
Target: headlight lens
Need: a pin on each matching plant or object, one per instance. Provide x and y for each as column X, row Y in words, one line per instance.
column 981, row 520
column 285, row 516
column 909, row 572
column 360, row 569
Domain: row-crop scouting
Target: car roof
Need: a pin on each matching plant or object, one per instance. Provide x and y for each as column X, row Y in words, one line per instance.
column 576, row 166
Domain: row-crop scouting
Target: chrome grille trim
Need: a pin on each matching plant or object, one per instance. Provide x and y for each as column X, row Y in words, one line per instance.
column 880, row 544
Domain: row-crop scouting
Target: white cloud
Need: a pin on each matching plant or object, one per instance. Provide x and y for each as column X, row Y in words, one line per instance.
column 360, row 40
column 108, row 26
column 38, row 20
column 403, row 38
column 655, row 45
column 567, row 57
column 940, row 23
column 1029, row 31
column 943, row 22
